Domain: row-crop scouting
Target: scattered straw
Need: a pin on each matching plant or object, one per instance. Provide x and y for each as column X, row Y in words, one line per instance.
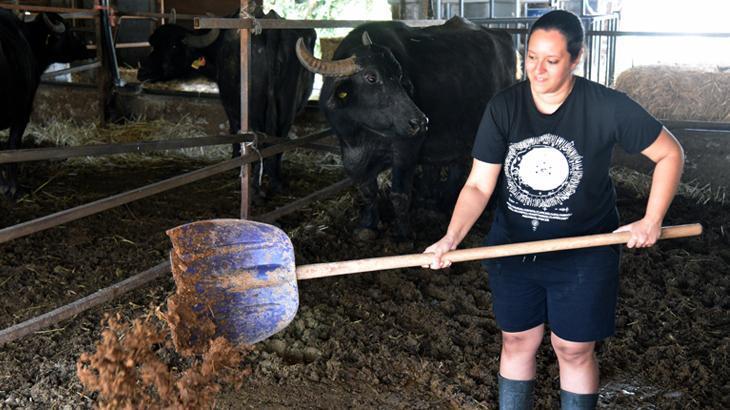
column 129, row 75
column 676, row 93
column 68, row 133
column 308, row 160
column 640, row 184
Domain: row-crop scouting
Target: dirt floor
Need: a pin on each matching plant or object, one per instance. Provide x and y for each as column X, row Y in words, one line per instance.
column 407, row 338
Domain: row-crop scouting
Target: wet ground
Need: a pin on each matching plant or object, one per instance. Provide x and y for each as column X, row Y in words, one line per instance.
column 407, row 338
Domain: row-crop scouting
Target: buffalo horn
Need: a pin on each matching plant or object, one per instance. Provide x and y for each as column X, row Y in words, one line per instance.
column 57, row 28
column 203, row 40
column 366, row 39
column 337, row 68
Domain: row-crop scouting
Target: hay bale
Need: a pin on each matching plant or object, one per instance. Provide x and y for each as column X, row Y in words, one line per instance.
column 328, row 45
column 675, row 93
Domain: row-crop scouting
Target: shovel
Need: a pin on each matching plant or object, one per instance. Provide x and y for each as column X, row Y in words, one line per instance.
column 245, row 277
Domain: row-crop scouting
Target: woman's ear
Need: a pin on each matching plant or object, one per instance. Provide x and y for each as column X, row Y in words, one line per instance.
column 577, row 60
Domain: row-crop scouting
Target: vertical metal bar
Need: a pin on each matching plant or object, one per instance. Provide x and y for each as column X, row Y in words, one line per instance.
column 596, row 55
column 605, row 71
column 162, row 11
column 103, row 81
column 73, row 6
column 245, row 57
column 612, row 47
column 587, row 69
column 491, row 9
column 461, row 8
column 593, row 53
column 108, row 43
column 438, row 9
column 524, row 50
column 601, row 59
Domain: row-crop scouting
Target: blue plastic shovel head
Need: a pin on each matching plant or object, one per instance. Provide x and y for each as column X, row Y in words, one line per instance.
column 243, row 274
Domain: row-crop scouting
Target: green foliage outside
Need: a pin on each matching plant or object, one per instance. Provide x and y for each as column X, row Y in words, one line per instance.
column 331, row 10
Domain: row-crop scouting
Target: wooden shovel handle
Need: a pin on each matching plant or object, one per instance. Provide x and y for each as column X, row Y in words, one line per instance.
column 319, row 270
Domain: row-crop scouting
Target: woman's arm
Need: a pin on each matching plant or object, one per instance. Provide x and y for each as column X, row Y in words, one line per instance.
column 472, row 200
column 668, row 157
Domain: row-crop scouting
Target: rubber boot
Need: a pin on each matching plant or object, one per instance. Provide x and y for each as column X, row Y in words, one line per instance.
column 575, row 401
column 515, row 394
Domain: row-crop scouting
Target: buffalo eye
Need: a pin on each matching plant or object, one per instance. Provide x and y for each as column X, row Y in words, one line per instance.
column 371, row 78
column 342, row 95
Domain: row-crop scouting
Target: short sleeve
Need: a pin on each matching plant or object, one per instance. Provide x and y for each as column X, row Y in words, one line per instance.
column 490, row 142
column 636, row 128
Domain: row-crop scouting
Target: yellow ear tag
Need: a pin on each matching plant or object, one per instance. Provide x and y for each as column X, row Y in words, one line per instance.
column 198, row 63
column 341, row 95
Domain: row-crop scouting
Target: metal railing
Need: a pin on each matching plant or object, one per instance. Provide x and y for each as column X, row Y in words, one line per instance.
column 599, row 60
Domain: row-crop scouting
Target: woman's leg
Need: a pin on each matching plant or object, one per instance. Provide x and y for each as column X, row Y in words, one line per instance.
column 517, row 360
column 517, row 368
column 578, row 365
column 578, row 373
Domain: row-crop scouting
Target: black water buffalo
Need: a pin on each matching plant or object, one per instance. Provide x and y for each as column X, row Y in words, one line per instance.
column 179, row 53
column 398, row 96
column 280, row 86
column 26, row 50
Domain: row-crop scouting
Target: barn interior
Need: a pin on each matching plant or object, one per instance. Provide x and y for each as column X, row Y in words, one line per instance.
column 110, row 163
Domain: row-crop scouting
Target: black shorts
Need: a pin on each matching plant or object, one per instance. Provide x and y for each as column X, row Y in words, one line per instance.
column 575, row 292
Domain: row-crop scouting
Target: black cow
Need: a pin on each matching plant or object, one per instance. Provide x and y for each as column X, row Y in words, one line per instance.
column 179, row 53
column 26, row 50
column 398, row 96
column 280, row 86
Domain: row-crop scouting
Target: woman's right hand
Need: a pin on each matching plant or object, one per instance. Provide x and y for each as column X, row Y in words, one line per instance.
column 438, row 249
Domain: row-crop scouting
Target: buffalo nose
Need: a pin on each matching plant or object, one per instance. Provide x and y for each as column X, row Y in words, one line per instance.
column 418, row 124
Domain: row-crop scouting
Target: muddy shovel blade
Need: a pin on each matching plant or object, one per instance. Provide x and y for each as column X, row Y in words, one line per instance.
column 242, row 273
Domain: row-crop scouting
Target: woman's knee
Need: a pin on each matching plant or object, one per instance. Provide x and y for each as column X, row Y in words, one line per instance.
column 572, row 352
column 526, row 342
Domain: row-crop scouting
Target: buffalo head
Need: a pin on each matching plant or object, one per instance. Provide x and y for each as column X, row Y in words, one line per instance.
column 367, row 90
column 174, row 52
column 61, row 44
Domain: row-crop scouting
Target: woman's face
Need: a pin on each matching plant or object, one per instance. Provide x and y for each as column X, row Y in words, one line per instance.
column 549, row 66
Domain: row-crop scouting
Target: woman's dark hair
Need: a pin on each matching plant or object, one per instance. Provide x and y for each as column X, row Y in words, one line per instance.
column 568, row 24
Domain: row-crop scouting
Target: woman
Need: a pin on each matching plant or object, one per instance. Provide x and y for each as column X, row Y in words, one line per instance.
column 544, row 148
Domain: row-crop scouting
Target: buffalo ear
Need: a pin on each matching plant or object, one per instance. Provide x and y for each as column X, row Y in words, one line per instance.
column 366, row 41
column 341, row 93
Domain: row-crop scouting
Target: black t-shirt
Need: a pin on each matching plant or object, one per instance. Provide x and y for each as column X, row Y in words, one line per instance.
column 554, row 181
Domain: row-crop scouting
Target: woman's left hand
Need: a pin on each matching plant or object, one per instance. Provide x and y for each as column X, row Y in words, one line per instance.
column 644, row 233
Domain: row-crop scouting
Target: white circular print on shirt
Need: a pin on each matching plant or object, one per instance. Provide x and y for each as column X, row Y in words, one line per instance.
column 544, row 168
column 542, row 172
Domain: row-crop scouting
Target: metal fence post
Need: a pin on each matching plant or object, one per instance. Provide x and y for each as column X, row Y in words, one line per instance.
column 245, row 40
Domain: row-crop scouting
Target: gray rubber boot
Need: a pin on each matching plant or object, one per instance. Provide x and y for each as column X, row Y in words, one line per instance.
column 515, row 394
column 575, row 401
